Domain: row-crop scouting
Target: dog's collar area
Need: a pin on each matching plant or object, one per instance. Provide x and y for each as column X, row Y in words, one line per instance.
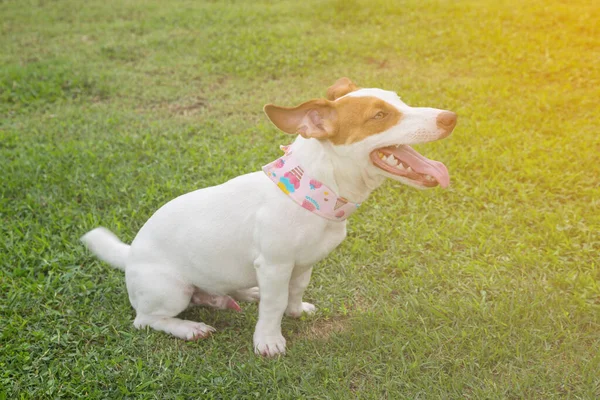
column 289, row 176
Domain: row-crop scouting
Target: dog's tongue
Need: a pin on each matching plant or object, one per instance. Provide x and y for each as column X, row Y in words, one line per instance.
column 422, row 165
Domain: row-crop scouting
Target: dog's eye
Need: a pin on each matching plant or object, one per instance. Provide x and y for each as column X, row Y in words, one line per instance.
column 379, row 115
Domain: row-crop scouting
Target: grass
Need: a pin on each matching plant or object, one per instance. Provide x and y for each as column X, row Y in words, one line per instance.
column 490, row 289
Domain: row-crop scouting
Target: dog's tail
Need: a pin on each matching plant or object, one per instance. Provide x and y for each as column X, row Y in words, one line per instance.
column 107, row 246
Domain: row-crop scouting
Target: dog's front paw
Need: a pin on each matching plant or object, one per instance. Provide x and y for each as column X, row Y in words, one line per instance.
column 269, row 345
column 296, row 312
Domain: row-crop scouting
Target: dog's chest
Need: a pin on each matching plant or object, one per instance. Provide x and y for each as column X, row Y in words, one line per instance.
column 314, row 248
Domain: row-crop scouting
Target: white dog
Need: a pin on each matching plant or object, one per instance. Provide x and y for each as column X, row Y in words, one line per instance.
column 267, row 229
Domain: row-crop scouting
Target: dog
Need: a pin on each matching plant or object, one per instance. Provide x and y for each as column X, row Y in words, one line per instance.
column 257, row 236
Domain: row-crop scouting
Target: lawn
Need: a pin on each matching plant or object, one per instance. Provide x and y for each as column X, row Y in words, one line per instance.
column 488, row 289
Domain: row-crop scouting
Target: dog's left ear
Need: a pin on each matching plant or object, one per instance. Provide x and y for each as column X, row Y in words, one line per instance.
column 340, row 88
column 313, row 119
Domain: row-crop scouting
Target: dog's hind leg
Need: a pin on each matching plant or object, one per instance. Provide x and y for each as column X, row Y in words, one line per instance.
column 158, row 298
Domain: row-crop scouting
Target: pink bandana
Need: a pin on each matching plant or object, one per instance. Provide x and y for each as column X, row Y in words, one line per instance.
column 311, row 194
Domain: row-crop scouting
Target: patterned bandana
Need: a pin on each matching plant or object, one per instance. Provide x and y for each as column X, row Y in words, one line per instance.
column 311, row 194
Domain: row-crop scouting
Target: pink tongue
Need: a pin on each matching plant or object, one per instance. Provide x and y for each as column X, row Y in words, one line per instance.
column 421, row 164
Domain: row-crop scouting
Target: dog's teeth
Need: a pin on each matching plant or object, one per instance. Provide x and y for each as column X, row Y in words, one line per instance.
column 409, row 169
column 400, row 166
column 429, row 177
column 381, row 155
column 391, row 161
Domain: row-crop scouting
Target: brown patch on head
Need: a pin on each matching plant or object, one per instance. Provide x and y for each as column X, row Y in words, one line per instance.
column 361, row 117
column 345, row 121
column 340, row 88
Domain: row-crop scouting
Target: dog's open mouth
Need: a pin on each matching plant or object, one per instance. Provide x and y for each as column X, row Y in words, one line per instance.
column 406, row 162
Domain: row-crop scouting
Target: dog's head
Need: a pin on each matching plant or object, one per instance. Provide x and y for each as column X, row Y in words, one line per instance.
column 376, row 127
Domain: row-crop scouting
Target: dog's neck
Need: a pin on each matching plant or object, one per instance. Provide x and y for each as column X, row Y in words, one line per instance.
column 337, row 168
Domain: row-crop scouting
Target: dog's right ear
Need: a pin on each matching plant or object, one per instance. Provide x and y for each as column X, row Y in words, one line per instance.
column 313, row 119
column 340, row 88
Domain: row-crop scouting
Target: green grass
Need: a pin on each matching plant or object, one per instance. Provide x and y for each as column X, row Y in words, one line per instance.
column 490, row 289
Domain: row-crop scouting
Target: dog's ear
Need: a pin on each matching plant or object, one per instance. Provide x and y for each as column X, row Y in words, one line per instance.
column 313, row 119
column 340, row 88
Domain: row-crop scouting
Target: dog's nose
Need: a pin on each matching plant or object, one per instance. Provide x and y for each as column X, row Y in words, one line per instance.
column 446, row 120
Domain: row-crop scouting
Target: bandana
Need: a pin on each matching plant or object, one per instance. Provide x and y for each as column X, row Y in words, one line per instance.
column 289, row 176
